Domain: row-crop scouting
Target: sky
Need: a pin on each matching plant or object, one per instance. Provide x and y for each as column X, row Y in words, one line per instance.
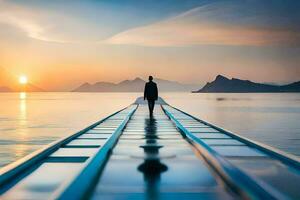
column 62, row 44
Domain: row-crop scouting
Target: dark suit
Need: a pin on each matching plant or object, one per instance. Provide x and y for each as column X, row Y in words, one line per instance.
column 151, row 94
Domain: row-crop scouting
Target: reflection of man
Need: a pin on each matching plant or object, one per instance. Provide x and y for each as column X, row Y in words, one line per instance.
column 151, row 168
column 151, row 94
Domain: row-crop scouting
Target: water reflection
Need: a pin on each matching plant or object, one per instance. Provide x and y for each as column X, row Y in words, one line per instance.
column 151, row 167
column 23, row 110
column 34, row 119
column 22, row 149
column 22, row 95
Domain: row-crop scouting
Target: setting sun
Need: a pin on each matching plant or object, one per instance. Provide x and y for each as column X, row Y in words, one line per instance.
column 23, row 80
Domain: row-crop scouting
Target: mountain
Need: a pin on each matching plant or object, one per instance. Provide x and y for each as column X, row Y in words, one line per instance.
column 32, row 88
column 28, row 88
column 9, row 83
column 173, row 86
column 5, row 89
column 135, row 85
column 224, row 85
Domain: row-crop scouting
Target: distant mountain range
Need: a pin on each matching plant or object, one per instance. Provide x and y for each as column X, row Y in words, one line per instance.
column 136, row 85
column 29, row 88
column 5, row 89
column 8, row 83
column 222, row 84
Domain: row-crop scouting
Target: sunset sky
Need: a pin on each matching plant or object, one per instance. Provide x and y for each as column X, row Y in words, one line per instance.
column 61, row 44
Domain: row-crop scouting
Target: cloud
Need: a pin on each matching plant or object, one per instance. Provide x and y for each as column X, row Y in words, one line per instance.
column 48, row 25
column 32, row 22
column 222, row 23
column 81, row 21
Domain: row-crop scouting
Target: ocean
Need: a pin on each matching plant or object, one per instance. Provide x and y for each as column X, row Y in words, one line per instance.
column 29, row 121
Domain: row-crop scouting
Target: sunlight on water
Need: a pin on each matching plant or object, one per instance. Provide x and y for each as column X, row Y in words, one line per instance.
column 28, row 121
column 22, row 149
column 23, row 112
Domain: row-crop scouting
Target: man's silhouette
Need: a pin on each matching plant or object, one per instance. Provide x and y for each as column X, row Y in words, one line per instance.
column 151, row 94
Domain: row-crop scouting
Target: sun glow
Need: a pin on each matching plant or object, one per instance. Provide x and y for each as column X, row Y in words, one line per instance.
column 23, row 80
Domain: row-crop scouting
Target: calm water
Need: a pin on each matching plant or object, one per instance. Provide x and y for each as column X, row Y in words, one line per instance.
column 273, row 119
column 30, row 121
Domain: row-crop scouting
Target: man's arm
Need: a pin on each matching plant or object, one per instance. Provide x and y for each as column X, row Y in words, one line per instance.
column 145, row 92
column 156, row 92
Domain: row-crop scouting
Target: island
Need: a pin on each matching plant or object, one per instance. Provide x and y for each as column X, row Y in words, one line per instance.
column 223, row 84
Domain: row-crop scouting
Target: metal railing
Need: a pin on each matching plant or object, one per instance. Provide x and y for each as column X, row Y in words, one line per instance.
column 239, row 181
column 12, row 171
column 79, row 187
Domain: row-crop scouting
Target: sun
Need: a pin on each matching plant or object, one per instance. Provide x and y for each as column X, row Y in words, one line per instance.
column 23, row 80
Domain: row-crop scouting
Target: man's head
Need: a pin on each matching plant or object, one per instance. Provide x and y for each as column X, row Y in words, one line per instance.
column 150, row 78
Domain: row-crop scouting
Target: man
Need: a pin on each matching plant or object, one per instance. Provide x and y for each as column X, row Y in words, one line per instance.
column 151, row 94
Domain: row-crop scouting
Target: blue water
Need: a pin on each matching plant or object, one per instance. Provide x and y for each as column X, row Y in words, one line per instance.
column 31, row 121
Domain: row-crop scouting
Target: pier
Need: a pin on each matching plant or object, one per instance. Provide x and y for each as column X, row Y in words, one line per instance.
column 173, row 155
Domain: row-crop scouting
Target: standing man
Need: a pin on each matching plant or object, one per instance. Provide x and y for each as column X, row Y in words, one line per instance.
column 151, row 94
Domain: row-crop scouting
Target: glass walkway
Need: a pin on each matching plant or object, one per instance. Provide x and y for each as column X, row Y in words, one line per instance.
column 172, row 155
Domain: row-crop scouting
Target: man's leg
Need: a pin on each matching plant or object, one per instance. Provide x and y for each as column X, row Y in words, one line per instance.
column 151, row 107
column 153, row 104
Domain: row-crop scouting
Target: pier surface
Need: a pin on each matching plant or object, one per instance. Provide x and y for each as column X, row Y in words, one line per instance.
column 172, row 155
